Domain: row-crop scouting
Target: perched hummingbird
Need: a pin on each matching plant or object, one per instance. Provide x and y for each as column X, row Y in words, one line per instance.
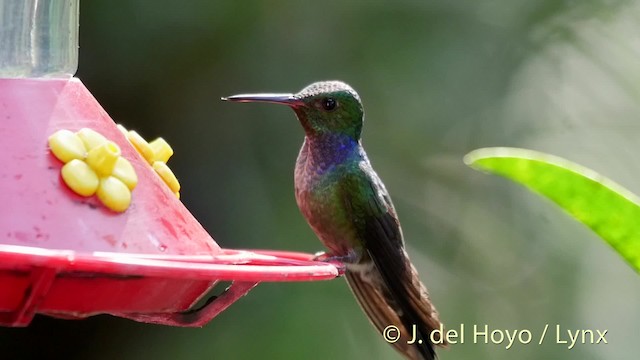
column 349, row 209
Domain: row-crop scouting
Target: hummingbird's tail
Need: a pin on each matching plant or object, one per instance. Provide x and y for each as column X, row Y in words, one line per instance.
column 411, row 312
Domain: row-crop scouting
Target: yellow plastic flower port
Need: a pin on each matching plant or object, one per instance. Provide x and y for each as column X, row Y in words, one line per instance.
column 93, row 165
column 161, row 150
column 156, row 153
column 103, row 158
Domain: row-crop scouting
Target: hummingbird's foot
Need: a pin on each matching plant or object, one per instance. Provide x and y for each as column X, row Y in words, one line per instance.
column 350, row 258
column 320, row 256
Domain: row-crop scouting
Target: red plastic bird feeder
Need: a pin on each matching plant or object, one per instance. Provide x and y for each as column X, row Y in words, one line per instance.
column 70, row 256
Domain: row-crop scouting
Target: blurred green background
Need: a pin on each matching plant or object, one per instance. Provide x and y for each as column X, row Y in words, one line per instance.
column 438, row 79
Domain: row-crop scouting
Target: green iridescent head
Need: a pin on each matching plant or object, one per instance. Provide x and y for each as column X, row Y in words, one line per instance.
column 323, row 108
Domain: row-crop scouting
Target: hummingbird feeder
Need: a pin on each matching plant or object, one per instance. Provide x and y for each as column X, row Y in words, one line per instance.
column 89, row 218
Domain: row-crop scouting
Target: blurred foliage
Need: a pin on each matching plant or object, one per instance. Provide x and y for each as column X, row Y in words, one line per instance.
column 608, row 209
column 438, row 79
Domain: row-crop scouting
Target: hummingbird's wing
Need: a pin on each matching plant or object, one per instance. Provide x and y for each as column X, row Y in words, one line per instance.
column 390, row 291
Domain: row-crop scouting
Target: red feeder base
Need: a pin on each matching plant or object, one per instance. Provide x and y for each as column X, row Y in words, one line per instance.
column 68, row 256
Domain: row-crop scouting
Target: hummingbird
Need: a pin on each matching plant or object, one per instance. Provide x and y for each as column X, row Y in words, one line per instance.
column 349, row 209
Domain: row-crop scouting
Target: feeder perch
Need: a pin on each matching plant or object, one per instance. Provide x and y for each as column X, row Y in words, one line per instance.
column 68, row 255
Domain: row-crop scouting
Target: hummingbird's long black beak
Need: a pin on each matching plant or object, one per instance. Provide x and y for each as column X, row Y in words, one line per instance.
column 284, row 99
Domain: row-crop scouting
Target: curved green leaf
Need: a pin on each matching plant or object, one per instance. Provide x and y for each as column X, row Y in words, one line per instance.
column 610, row 210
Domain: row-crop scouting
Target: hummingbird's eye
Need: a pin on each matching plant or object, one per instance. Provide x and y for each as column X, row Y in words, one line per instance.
column 329, row 103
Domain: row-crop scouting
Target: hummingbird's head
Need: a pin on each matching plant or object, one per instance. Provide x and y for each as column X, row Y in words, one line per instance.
column 330, row 106
column 325, row 107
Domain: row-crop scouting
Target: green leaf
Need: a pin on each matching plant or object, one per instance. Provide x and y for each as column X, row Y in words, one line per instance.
column 607, row 208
